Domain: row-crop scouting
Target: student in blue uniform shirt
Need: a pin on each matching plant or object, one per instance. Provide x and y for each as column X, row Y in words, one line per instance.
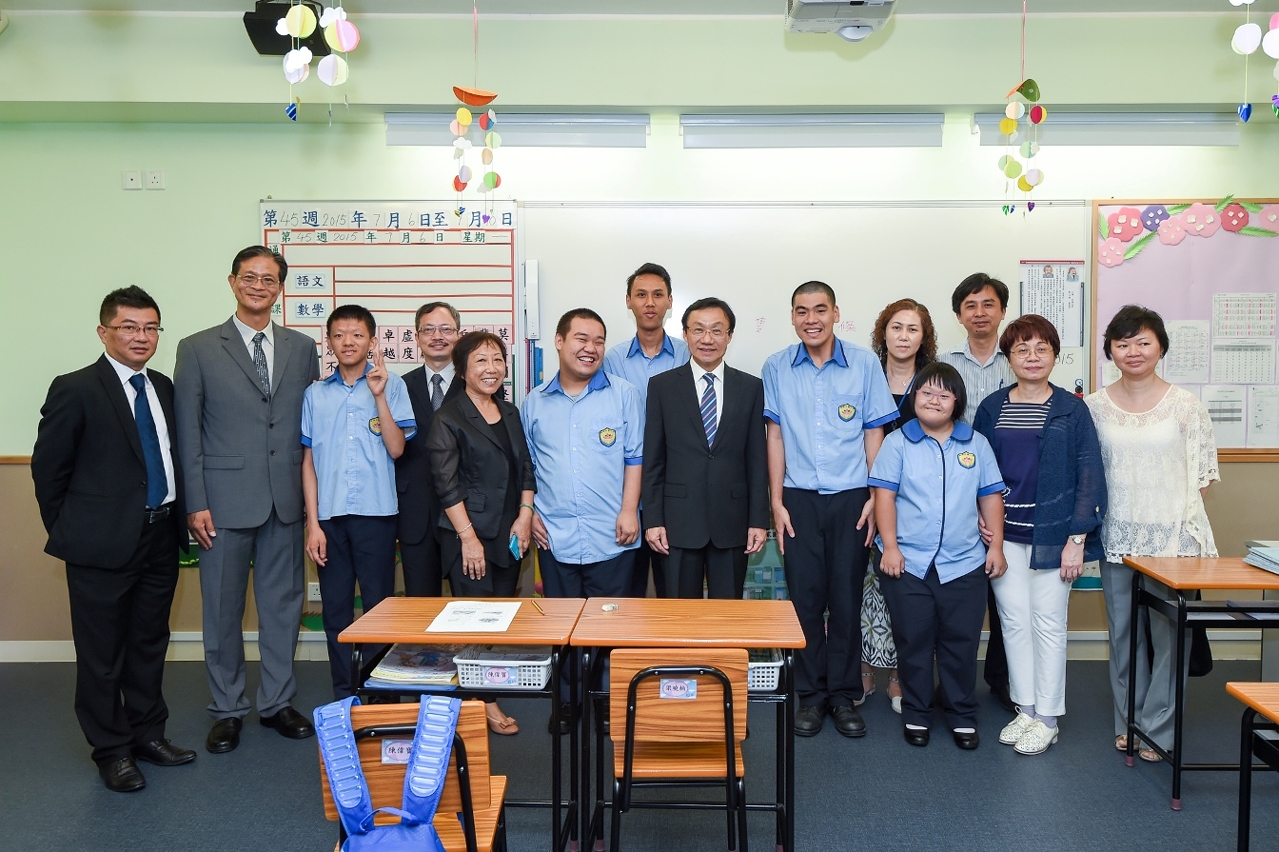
column 649, row 352
column 354, row 426
column 826, row 402
column 931, row 479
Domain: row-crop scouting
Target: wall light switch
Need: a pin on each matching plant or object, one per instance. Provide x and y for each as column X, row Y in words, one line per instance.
column 132, row 180
column 154, row 178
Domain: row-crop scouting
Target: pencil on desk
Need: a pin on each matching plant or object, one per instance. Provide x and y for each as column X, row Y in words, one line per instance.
column 537, row 606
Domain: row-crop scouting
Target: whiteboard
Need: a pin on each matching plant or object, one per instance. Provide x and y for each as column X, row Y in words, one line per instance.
column 754, row 255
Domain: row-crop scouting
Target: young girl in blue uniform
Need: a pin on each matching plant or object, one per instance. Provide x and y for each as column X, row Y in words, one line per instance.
column 931, row 478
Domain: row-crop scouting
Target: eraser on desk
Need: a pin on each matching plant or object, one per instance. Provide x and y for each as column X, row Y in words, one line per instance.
column 609, row 607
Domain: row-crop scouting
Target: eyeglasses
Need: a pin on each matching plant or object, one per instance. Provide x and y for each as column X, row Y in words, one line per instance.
column 250, row 280
column 128, row 329
column 441, row 330
column 1025, row 352
column 940, row 397
column 715, row 333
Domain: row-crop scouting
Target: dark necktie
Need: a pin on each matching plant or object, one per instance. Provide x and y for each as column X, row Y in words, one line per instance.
column 157, row 483
column 708, row 409
column 259, row 362
column 437, row 392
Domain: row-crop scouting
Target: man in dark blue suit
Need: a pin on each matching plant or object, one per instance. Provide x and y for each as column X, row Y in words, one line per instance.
column 705, row 462
column 109, row 487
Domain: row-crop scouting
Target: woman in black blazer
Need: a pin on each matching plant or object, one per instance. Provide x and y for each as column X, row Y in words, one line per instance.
column 484, row 477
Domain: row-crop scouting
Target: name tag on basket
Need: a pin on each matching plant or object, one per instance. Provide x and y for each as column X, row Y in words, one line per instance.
column 675, row 688
column 499, row 676
column 396, row 751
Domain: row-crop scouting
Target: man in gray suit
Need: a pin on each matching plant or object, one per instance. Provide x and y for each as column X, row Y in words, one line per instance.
column 238, row 399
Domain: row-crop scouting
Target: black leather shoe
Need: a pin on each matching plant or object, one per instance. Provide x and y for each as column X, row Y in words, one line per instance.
column 848, row 721
column 566, row 711
column 289, row 723
column 968, row 741
column 122, row 776
column 916, row 737
column 808, row 721
column 1004, row 697
column 224, row 736
column 161, row 752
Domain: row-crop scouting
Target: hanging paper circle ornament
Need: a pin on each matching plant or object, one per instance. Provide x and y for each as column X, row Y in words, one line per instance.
column 464, row 174
column 492, row 180
column 458, row 183
column 1029, row 149
column 464, row 116
column 1023, row 184
column 300, row 21
column 342, row 35
column 1004, row 161
column 455, row 128
column 1270, row 43
column 332, row 70
column 1012, row 169
column 1037, row 114
column 1246, row 39
column 297, row 65
column 486, row 157
column 1015, row 110
column 492, row 140
column 1034, row 177
column 1007, row 126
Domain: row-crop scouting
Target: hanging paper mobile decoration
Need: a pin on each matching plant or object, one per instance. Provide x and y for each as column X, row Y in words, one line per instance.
column 472, row 97
column 1245, row 41
column 1022, row 175
column 341, row 35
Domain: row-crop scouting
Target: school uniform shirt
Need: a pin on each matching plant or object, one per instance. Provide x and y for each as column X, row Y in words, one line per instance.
column 937, row 488
column 581, row 449
column 823, row 413
column 340, row 423
column 629, row 361
column 980, row 380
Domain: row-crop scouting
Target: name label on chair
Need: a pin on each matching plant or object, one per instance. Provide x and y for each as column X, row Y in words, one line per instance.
column 678, row 689
column 396, row 751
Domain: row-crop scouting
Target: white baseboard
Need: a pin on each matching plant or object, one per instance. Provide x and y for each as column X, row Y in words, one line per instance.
column 189, row 646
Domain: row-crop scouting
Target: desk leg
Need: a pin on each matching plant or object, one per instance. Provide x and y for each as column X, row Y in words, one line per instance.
column 1245, row 778
column 1134, row 625
column 1179, row 700
column 585, row 659
column 357, row 663
column 593, row 674
column 575, row 737
column 788, row 739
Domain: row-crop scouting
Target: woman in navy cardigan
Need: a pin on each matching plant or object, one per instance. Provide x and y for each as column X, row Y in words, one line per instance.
column 1048, row 453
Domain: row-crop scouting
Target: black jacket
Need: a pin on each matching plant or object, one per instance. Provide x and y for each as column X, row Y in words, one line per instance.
column 419, row 505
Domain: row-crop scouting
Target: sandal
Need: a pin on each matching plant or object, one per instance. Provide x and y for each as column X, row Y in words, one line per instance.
column 1149, row 755
column 895, row 700
column 499, row 722
column 866, row 693
column 1121, row 742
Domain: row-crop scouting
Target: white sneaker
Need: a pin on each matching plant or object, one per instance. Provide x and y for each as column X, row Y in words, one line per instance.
column 1013, row 730
column 1036, row 739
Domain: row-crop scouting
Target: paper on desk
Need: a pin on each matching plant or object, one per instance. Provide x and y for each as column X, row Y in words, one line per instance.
column 474, row 617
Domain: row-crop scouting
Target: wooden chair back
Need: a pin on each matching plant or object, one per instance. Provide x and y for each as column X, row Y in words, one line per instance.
column 660, row 719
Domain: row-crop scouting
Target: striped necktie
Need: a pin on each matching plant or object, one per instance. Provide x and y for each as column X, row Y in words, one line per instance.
column 709, row 420
column 259, row 363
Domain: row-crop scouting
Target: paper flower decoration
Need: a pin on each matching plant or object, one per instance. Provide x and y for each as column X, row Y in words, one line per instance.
column 1172, row 230
column 1111, row 252
column 1234, row 217
column 1268, row 218
column 1153, row 215
column 1125, row 224
column 1201, row 220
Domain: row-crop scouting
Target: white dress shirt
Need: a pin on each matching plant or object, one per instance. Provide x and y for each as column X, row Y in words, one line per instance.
column 700, row 384
column 446, row 374
column 268, row 344
column 157, row 414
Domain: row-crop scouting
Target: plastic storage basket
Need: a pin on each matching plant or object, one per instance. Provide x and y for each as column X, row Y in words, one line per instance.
column 504, row 668
column 762, row 671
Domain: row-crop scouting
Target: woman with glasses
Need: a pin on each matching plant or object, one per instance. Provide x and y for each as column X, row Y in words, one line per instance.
column 1047, row 449
column 906, row 342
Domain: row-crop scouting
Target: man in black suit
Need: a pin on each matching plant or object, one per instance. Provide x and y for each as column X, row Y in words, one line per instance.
column 437, row 325
column 705, row 462
column 110, row 492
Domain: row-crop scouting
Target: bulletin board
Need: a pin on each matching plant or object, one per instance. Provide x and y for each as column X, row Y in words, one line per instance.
column 1209, row 268
column 392, row 257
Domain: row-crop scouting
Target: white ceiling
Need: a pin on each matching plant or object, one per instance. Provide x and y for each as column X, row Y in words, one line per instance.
column 644, row 7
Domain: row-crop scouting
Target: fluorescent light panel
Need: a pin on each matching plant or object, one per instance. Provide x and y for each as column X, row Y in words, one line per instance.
column 819, row 130
column 526, row 130
column 1209, row 129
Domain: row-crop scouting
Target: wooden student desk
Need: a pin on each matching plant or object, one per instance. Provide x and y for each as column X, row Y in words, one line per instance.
column 669, row 623
column 405, row 620
column 1256, row 738
column 1187, row 574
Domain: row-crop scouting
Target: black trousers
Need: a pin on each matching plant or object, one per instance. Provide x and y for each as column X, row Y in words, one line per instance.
column 120, row 628
column 361, row 549
column 995, row 672
column 646, row 558
column 423, row 565
column 938, row 620
column 825, row 566
column 722, row 569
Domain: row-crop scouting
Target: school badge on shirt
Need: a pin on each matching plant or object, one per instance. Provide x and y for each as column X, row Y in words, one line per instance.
column 967, row 459
column 608, row 437
column 846, row 411
column 375, row 425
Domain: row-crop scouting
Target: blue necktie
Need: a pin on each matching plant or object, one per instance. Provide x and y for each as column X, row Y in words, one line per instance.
column 157, row 483
column 708, row 409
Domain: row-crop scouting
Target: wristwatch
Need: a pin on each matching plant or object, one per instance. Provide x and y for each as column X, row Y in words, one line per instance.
column 1076, row 539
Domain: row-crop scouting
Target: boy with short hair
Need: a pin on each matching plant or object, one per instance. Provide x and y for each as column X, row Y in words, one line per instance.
column 354, row 426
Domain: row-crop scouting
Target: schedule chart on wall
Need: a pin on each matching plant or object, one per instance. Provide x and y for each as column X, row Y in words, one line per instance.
column 392, row 257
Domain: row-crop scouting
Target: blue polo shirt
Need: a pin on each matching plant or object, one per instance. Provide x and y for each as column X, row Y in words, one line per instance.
column 581, row 449
column 356, row 474
column 629, row 361
column 937, row 488
column 823, row 413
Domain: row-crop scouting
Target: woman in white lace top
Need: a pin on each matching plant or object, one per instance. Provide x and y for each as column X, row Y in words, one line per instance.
column 1158, row 449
